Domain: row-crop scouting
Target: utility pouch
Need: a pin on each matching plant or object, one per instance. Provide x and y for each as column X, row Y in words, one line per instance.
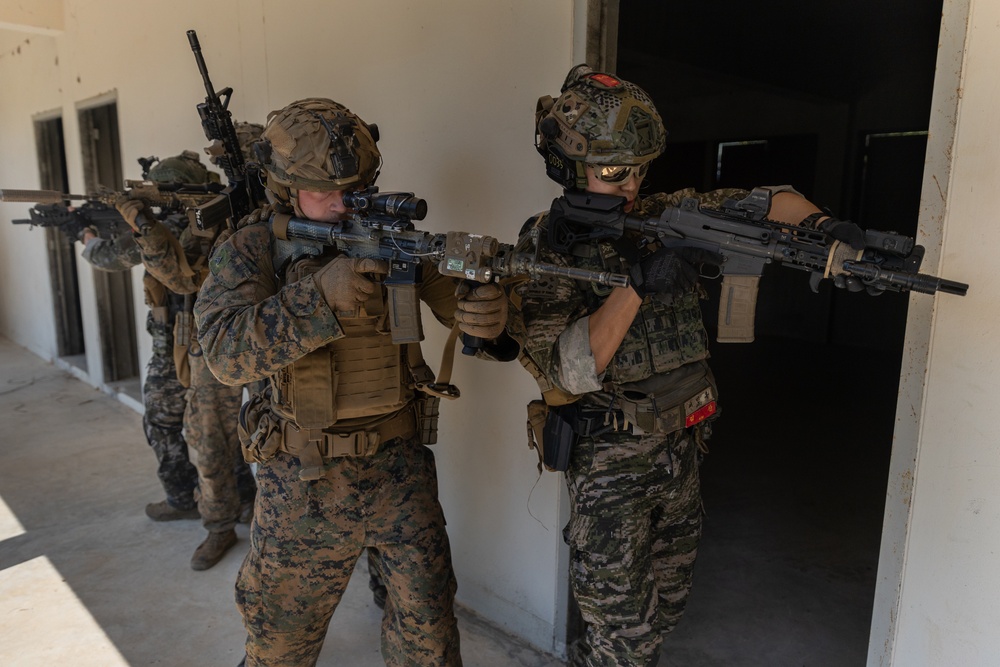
column 559, row 436
column 259, row 430
column 182, row 339
column 428, row 408
column 538, row 411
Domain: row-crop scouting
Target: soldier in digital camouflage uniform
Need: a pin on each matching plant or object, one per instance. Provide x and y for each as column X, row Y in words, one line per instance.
column 338, row 433
column 162, row 394
column 625, row 369
column 175, row 256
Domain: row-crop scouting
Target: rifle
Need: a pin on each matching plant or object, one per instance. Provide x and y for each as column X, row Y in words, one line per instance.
column 747, row 241
column 380, row 226
column 52, row 209
column 243, row 193
column 105, row 219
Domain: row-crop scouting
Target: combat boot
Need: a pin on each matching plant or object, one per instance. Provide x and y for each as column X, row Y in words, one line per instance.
column 213, row 549
column 164, row 511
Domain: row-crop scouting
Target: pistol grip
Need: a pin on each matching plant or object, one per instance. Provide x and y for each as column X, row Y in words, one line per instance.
column 737, row 308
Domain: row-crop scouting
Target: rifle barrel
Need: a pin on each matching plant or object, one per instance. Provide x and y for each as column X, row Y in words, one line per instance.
column 36, row 196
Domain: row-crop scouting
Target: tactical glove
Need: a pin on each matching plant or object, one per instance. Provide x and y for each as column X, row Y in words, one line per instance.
column 844, row 231
column 481, row 312
column 670, row 270
column 342, row 284
column 133, row 212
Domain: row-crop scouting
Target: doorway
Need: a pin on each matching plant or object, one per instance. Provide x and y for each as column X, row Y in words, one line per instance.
column 795, row 482
column 51, row 148
column 102, row 167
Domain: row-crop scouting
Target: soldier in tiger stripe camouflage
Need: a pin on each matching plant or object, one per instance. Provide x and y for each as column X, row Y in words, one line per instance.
column 624, row 372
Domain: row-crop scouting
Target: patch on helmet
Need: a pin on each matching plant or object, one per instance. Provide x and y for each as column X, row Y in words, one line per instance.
column 644, row 129
column 604, row 80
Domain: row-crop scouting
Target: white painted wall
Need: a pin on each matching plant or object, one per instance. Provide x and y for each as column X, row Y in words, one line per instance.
column 452, row 85
column 950, row 597
column 938, row 595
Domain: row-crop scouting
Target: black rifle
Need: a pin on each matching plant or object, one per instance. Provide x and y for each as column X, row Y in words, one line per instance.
column 106, row 220
column 99, row 207
column 245, row 191
column 381, row 227
column 747, row 241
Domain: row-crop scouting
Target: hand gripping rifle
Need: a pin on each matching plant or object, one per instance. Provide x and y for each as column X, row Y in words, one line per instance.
column 747, row 241
column 245, row 190
column 381, row 227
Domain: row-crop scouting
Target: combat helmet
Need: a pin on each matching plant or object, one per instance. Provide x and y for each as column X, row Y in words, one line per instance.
column 598, row 118
column 319, row 145
column 183, row 168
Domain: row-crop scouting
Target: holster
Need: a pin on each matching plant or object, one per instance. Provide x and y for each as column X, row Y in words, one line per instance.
column 551, row 434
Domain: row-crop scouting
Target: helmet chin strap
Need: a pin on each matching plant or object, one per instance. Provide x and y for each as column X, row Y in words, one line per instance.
column 293, row 198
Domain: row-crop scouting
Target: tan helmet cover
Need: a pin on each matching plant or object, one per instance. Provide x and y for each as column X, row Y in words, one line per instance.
column 319, row 145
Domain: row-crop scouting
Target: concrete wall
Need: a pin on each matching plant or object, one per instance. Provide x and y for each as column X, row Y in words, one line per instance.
column 452, row 85
column 948, row 602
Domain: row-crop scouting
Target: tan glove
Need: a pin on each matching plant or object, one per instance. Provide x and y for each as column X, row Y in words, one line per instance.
column 132, row 211
column 481, row 312
column 343, row 285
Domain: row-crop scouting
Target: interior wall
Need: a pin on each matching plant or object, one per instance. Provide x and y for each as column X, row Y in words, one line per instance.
column 452, row 86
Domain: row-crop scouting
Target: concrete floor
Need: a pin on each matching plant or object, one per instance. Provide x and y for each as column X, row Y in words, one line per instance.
column 87, row 580
column 785, row 574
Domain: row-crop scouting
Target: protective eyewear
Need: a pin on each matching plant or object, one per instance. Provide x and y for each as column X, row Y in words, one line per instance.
column 619, row 173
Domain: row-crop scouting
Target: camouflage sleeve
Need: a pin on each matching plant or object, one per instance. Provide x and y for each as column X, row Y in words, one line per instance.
column 159, row 254
column 556, row 329
column 118, row 254
column 655, row 204
column 250, row 326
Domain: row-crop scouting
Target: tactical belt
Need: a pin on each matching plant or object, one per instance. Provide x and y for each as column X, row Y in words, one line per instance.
column 313, row 446
column 594, row 423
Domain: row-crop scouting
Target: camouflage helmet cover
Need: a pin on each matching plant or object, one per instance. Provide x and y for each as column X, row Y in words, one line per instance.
column 317, row 144
column 247, row 133
column 598, row 119
column 183, row 168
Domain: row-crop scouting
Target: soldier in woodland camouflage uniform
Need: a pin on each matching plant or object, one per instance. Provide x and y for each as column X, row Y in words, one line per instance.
column 625, row 371
column 175, row 257
column 338, row 433
column 162, row 393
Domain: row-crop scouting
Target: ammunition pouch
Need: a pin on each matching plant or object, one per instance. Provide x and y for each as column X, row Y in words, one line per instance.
column 259, row 429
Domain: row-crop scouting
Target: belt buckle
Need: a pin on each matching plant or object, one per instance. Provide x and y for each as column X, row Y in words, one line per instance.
column 356, row 443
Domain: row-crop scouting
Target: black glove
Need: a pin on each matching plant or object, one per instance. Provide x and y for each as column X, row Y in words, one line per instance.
column 845, row 231
column 671, row 271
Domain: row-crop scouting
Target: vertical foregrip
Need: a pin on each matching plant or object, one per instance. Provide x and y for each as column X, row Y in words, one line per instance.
column 737, row 308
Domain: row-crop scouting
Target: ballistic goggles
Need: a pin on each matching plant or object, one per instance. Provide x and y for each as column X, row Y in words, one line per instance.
column 619, row 173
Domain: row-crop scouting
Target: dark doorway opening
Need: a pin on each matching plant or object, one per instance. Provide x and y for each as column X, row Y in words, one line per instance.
column 101, row 152
column 816, row 96
column 51, row 148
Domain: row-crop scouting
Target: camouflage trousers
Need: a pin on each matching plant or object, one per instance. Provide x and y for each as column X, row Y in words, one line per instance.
column 635, row 523
column 210, row 420
column 306, row 539
column 163, row 423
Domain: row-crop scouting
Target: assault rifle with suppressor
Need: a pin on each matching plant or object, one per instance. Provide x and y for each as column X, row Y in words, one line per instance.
column 747, row 241
column 98, row 209
column 380, row 226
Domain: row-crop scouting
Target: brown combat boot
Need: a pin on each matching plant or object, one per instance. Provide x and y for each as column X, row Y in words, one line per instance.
column 164, row 511
column 212, row 549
